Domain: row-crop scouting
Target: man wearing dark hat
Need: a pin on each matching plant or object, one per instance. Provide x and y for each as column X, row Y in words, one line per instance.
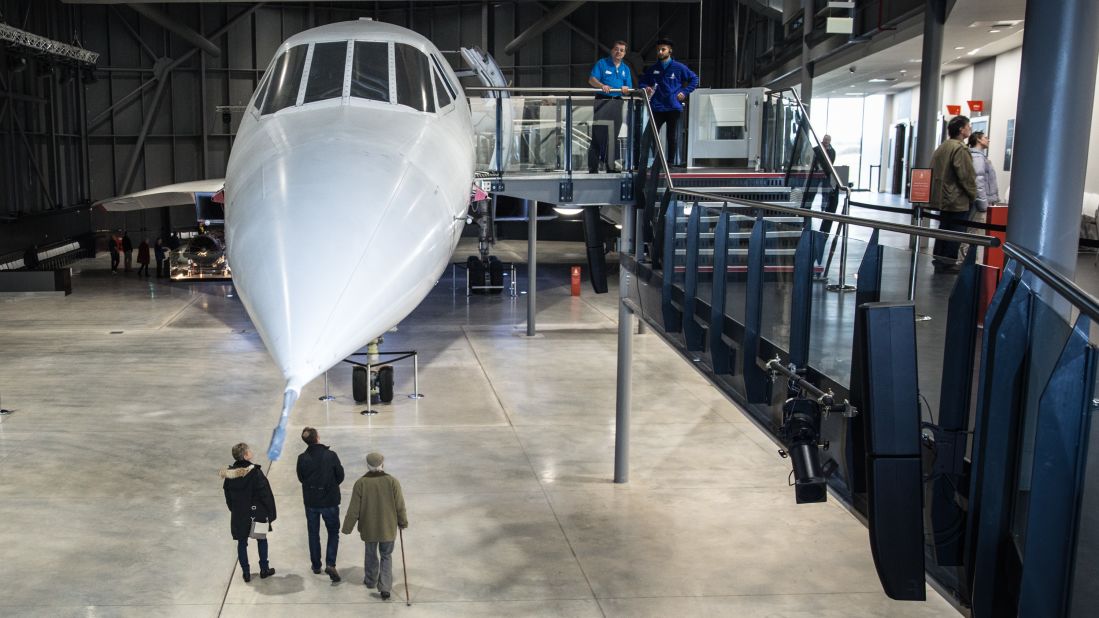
column 668, row 83
column 377, row 507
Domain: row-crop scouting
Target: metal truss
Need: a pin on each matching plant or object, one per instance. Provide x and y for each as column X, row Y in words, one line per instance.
column 41, row 44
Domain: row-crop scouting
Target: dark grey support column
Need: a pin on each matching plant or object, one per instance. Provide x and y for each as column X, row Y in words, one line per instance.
column 931, row 76
column 1056, row 96
column 625, row 365
column 532, row 264
column 806, row 66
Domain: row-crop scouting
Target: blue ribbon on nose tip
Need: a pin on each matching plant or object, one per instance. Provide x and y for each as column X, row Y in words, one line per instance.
column 278, row 436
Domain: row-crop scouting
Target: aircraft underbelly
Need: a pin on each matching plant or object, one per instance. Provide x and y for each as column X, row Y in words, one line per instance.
column 330, row 249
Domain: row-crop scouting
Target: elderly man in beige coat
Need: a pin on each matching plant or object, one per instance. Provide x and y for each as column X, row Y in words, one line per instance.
column 377, row 506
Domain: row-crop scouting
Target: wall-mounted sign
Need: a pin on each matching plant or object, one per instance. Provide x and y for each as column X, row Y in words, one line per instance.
column 953, row 110
column 976, row 106
column 921, row 186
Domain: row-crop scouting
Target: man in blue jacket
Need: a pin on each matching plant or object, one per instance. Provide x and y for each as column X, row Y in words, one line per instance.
column 669, row 83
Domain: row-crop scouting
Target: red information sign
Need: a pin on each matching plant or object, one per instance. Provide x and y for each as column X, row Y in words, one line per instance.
column 976, row 106
column 953, row 110
column 921, row 186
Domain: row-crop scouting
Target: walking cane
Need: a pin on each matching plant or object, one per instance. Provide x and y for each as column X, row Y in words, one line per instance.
column 404, row 568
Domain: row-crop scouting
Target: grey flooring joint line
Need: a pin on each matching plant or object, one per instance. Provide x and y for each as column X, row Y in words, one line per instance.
column 110, row 502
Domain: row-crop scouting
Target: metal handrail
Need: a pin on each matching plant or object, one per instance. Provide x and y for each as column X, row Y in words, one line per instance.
column 534, row 89
column 1074, row 294
column 973, row 239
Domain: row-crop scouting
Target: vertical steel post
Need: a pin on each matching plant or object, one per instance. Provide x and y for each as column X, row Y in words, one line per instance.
column 625, row 368
column 416, row 394
column 532, row 264
column 934, row 20
column 842, row 286
column 1047, row 183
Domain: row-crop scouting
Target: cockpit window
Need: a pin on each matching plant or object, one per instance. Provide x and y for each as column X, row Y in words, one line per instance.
column 326, row 72
column 370, row 71
column 441, row 91
column 261, row 92
column 442, row 84
column 413, row 76
column 282, row 91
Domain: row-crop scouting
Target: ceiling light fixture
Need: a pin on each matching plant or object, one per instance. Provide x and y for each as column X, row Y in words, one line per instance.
column 994, row 32
column 854, row 94
column 959, row 47
column 973, row 52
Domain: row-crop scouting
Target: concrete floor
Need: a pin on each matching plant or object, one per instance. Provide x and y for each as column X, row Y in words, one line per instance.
column 129, row 393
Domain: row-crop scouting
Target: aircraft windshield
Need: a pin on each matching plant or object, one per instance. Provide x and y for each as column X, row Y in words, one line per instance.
column 412, row 81
column 326, row 72
column 285, row 79
column 370, row 71
column 413, row 76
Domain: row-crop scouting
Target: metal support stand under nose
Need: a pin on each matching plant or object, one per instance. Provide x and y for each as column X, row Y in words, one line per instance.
column 416, row 394
column 326, row 396
column 369, row 411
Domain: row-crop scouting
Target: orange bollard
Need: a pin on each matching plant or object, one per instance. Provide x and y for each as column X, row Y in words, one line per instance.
column 576, row 281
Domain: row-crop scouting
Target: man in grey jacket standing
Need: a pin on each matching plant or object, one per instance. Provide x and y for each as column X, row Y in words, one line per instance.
column 377, row 507
column 320, row 474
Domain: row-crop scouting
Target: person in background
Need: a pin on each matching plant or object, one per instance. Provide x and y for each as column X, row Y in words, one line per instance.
column 988, row 189
column 953, row 189
column 377, row 507
column 612, row 76
column 127, row 251
column 143, row 257
column 160, row 252
column 249, row 498
column 114, row 245
column 320, row 474
column 831, row 195
column 669, row 83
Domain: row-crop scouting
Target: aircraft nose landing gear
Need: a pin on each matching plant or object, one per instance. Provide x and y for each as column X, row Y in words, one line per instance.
column 377, row 384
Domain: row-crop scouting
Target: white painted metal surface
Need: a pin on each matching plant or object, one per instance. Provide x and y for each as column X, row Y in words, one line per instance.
column 341, row 214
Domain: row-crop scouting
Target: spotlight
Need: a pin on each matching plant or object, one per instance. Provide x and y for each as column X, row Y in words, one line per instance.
column 800, row 434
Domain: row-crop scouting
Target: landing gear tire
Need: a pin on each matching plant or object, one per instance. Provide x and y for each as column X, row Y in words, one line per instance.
column 385, row 384
column 360, row 384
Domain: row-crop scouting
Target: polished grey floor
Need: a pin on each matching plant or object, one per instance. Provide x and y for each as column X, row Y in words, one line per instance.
column 129, row 393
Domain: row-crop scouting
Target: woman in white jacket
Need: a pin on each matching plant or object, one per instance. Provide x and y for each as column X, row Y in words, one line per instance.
column 988, row 190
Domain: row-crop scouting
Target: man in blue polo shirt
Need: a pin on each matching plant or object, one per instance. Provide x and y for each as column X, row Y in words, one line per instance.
column 669, row 83
column 613, row 77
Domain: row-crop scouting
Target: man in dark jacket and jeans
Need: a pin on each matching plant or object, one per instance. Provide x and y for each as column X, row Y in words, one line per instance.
column 321, row 473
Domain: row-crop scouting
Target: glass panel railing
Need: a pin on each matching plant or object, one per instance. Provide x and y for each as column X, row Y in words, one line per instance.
column 540, row 134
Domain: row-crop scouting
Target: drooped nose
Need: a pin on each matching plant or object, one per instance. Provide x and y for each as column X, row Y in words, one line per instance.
column 330, row 246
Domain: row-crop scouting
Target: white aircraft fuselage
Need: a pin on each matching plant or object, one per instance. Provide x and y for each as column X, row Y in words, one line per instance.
column 345, row 197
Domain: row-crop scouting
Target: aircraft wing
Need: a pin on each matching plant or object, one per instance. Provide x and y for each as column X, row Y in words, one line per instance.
column 179, row 194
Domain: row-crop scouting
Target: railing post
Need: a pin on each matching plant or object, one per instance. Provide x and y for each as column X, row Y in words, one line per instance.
column 568, row 135
column 499, row 134
column 842, row 286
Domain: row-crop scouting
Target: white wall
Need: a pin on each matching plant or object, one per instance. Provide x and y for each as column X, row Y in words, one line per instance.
column 957, row 88
column 1005, row 93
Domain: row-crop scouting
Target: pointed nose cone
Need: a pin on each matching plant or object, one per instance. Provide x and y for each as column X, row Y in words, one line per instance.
column 330, row 246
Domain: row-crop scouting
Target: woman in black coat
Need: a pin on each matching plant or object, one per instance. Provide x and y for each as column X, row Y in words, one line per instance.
column 248, row 496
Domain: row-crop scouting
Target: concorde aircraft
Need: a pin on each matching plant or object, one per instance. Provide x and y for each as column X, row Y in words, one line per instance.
column 345, row 194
